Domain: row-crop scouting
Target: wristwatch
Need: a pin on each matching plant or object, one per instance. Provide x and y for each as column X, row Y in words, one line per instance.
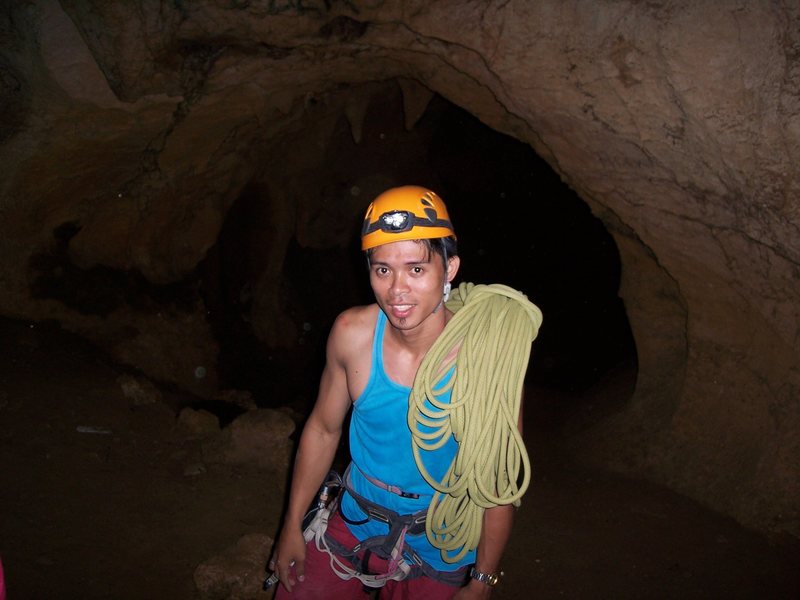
column 489, row 579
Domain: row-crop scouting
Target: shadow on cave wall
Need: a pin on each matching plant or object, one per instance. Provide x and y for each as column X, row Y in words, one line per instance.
column 517, row 223
column 101, row 290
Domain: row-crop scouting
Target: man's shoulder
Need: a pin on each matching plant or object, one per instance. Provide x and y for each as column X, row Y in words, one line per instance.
column 355, row 323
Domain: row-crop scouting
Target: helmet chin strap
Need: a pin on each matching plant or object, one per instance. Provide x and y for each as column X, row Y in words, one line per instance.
column 446, row 287
column 445, row 297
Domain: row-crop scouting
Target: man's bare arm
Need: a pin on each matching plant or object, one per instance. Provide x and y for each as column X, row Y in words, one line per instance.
column 495, row 531
column 318, row 444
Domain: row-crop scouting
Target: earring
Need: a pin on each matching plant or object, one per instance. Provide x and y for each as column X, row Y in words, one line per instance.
column 447, row 291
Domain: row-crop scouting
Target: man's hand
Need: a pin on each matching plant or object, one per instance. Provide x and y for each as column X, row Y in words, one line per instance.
column 288, row 560
column 474, row 590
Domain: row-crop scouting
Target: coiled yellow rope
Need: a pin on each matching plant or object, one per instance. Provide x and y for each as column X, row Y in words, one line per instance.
column 493, row 328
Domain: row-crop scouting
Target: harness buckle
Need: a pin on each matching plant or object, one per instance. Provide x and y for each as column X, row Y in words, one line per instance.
column 378, row 516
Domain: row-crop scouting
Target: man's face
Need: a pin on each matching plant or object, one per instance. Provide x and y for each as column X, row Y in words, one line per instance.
column 407, row 281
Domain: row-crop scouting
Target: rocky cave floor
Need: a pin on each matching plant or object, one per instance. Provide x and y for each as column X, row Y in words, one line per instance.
column 94, row 515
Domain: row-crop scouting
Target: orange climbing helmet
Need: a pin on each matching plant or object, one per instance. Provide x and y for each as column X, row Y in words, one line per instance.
column 409, row 212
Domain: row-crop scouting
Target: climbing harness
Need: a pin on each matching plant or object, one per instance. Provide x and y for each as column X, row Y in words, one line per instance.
column 403, row 561
column 316, row 518
column 493, row 328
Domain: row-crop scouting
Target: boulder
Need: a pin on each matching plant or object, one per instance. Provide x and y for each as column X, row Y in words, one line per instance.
column 258, row 438
column 238, row 572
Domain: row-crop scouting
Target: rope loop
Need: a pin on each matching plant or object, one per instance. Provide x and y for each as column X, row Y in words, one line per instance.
column 493, row 328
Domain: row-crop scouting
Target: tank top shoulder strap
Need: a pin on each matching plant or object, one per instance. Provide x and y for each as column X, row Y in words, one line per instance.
column 376, row 373
column 377, row 343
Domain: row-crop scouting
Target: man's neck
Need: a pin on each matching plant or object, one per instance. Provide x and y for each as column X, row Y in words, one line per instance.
column 419, row 340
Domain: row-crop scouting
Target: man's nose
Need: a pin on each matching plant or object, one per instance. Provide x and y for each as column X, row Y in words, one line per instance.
column 399, row 284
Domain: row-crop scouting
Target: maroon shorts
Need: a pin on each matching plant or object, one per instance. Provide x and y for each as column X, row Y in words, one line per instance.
column 322, row 582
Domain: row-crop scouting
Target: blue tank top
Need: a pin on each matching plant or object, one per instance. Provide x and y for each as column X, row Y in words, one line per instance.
column 380, row 447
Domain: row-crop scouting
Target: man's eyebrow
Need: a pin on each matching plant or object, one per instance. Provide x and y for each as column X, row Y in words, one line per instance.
column 420, row 261
column 409, row 263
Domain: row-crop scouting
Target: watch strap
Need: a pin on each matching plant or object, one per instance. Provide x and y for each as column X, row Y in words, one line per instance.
column 489, row 579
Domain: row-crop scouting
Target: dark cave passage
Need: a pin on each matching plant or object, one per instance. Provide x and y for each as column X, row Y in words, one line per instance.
column 517, row 224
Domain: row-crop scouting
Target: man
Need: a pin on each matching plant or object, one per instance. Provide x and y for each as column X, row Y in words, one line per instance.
column 373, row 354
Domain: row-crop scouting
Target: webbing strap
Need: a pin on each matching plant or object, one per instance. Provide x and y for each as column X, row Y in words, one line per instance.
column 388, row 487
column 391, row 547
column 417, row 567
column 415, row 521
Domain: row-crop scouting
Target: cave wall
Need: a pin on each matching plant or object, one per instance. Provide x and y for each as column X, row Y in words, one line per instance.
column 134, row 126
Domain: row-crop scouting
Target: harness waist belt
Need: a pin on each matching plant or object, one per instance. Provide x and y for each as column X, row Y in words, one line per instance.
column 385, row 486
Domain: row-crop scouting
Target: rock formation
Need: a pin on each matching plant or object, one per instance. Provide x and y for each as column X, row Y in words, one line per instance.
column 130, row 128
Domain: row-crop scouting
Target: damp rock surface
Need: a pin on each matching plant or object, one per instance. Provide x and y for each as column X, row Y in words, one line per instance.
column 259, row 438
column 238, row 572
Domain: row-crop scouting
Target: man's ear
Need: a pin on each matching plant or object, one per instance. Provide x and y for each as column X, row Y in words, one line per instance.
column 453, row 262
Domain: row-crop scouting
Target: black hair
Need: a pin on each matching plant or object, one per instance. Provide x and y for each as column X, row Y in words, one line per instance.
column 446, row 247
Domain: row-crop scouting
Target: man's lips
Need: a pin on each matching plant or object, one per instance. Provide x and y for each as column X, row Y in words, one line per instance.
column 401, row 310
